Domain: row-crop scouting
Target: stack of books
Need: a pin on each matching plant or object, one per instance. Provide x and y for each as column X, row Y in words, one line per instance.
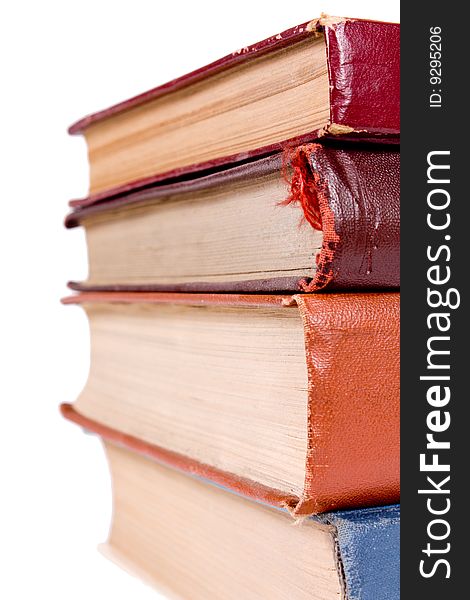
column 243, row 239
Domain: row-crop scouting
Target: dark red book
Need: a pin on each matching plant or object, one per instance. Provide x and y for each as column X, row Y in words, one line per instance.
column 316, row 218
column 329, row 78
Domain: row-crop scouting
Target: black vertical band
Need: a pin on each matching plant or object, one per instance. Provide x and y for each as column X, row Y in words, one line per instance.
column 434, row 266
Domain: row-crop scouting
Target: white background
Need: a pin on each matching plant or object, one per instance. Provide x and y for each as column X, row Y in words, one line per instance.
column 59, row 61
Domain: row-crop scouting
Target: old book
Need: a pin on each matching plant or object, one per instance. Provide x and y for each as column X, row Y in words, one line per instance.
column 289, row 400
column 193, row 540
column 332, row 77
column 336, row 225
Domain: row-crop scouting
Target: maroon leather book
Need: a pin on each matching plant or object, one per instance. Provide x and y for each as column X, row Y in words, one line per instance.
column 362, row 60
column 351, row 195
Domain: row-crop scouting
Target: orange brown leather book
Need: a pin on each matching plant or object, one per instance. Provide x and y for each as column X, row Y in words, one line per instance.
column 352, row 430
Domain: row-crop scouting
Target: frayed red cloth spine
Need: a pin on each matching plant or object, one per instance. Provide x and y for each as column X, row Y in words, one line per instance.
column 307, row 188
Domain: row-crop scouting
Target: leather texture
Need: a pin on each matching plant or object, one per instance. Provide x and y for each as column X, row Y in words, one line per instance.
column 352, row 354
column 368, row 547
column 353, row 196
column 352, row 345
column 364, row 71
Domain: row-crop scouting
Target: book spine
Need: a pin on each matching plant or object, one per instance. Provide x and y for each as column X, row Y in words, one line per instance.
column 364, row 72
column 352, row 344
column 353, row 196
column 368, row 551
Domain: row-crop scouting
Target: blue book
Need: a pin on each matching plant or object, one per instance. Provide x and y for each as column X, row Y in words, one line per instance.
column 368, row 542
column 192, row 539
